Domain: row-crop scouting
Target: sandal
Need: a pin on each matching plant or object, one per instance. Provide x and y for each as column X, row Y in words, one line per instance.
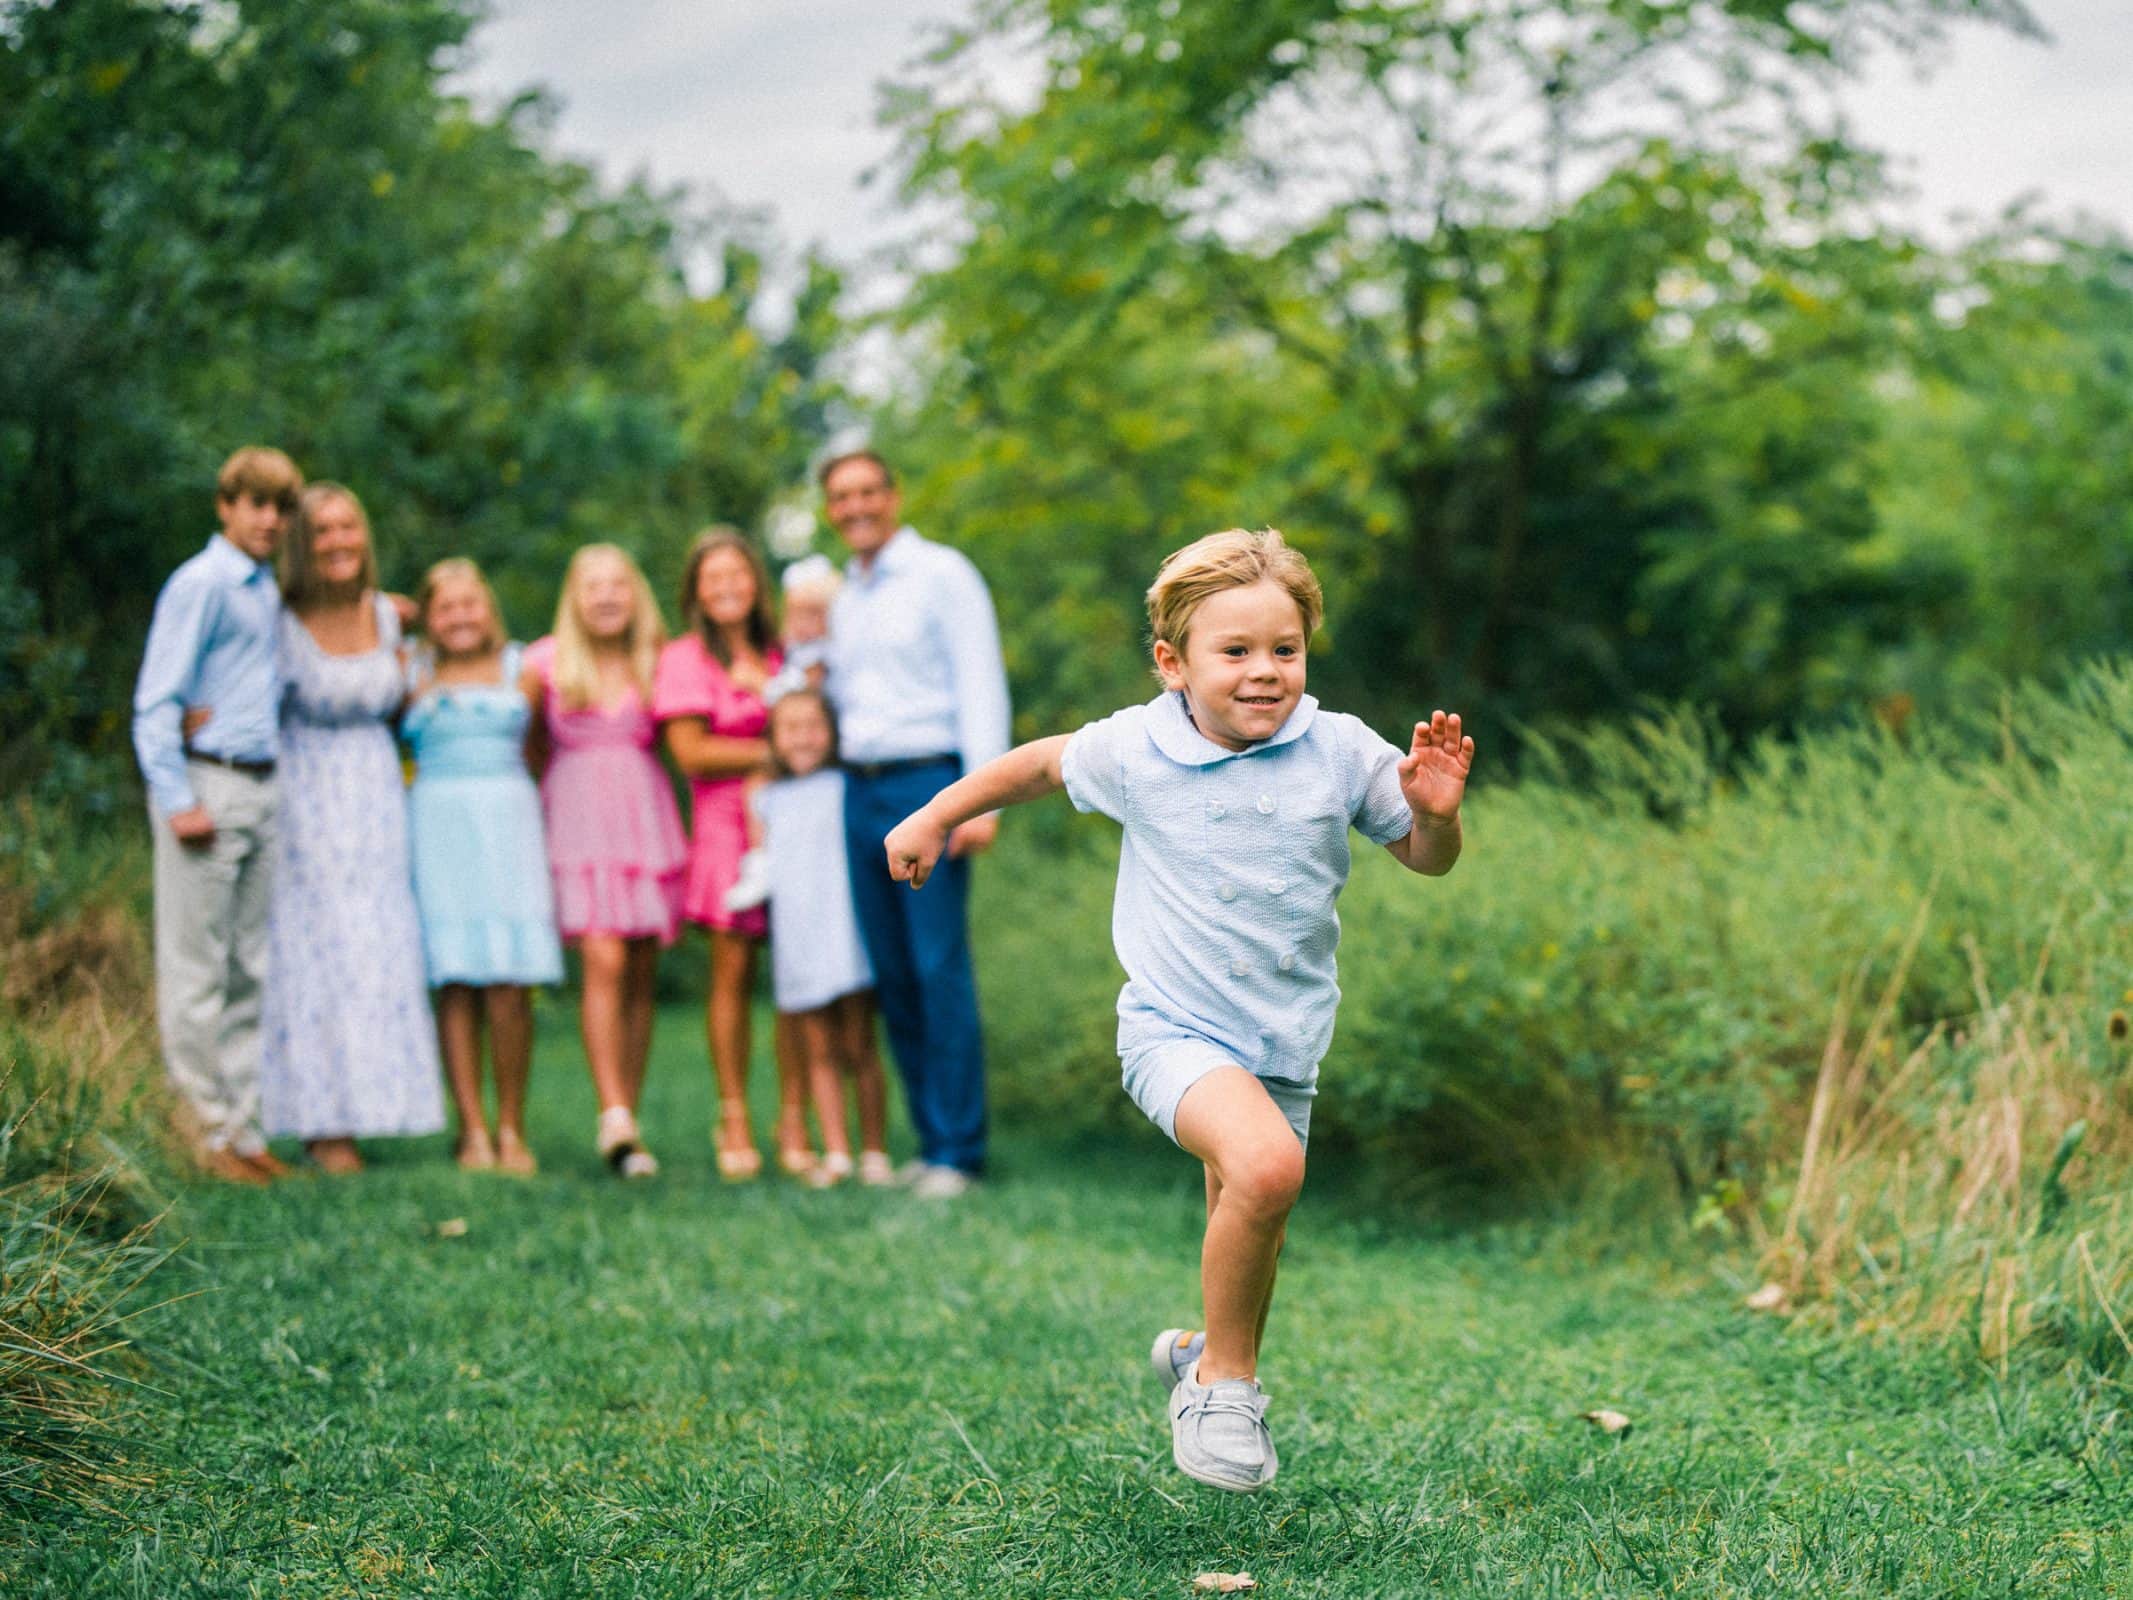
column 737, row 1163
column 796, row 1157
column 620, row 1147
column 830, row 1171
column 514, row 1156
column 476, row 1153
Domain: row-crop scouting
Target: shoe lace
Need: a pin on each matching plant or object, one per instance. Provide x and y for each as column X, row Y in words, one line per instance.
column 1210, row 1403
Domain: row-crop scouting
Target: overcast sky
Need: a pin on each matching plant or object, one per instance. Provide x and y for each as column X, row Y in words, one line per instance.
column 770, row 103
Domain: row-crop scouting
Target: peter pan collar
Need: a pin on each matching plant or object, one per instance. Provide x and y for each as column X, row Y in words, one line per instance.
column 1170, row 726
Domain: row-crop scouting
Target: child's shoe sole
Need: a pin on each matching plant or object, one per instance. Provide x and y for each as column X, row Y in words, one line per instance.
column 1169, row 1344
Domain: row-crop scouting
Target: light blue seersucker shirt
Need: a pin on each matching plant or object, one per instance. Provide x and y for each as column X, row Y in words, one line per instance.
column 1231, row 862
column 212, row 644
column 914, row 657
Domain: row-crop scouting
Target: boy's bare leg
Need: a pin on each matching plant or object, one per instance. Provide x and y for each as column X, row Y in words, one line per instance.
column 1214, row 1194
column 604, row 959
column 459, row 1040
column 815, row 1033
column 1256, row 1170
column 862, row 1059
column 640, row 975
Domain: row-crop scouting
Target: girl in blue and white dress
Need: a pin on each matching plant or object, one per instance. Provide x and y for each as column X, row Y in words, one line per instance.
column 480, row 861
column 818, row 969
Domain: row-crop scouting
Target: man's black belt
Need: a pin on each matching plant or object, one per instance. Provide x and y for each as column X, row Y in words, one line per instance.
column 882, row 769
column 251, row 769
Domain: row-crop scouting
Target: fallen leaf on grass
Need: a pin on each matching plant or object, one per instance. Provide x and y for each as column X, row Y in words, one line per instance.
column 452, row 1228
column 1770, row 1297
column 1224, row 1582
column 1613, row 1423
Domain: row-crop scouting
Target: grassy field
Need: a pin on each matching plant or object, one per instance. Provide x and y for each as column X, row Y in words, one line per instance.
column 684, row 1389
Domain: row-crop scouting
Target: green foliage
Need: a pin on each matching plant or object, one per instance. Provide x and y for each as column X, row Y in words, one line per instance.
column 1577, row 392
column 1644, row 947
column 275, row 225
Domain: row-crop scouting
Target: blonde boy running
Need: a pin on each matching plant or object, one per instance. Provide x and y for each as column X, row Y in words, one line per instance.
column 1236, row 793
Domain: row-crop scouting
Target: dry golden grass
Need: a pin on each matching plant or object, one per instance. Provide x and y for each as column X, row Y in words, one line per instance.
column 1971, row 1187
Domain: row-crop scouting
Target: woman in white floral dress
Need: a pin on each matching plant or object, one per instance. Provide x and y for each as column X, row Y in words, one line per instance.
column 349, row 1048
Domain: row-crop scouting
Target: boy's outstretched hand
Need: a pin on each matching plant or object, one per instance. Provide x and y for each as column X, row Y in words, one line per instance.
column 914, row 845
column 1433, row 772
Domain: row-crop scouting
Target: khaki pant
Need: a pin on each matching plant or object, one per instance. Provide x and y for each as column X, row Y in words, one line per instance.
column 211, row 954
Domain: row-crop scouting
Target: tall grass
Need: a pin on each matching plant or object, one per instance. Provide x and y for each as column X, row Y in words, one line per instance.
column 1636, row 966
column 81, row 1115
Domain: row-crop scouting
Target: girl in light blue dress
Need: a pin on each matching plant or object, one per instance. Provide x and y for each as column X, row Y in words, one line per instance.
column 480, row 863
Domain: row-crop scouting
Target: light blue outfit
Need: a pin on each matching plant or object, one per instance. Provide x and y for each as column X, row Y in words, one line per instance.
column 815, row 953
column 914, row 657
column 1227, row 877
column 349, row 1049
column 474, row 823
column 212, row 643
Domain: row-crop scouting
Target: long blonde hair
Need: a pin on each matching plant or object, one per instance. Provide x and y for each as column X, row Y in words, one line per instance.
column 576, row 672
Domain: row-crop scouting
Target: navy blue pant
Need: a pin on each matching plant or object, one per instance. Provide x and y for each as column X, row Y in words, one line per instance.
column 919, row 943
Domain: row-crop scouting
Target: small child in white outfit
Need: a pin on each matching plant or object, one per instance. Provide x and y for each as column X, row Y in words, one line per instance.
column 819, row 974
column 1236, row 792
column 810, row 584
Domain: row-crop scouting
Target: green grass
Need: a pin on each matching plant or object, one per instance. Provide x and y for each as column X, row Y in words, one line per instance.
column 684, row 1389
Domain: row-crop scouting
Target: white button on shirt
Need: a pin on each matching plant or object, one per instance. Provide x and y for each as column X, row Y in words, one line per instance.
column 1257, row 981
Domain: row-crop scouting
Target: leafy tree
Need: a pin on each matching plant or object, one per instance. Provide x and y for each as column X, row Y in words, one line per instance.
column 1547, row 326
column 275, row 223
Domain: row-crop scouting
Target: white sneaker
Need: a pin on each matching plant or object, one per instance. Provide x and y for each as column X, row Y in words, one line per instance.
column 943, row 1183
column 830, row 1171
column 752, row 887
column 1218, row 1434
column 875, row 1169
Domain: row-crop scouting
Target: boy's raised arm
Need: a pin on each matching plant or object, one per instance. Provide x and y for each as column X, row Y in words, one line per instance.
column 1027, row 772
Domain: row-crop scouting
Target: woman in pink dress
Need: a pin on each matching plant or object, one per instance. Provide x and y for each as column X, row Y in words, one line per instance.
column 709, row 703
column 615, row 845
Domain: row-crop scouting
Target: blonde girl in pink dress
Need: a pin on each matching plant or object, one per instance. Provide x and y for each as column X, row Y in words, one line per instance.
column 615, row 845
column 709, row 703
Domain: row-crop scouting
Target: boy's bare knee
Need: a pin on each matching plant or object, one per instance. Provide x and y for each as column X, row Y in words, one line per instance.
column 1266, row 1178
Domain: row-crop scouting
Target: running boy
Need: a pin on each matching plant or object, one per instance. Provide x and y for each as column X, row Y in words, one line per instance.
column 1236, row 792
column 211, row 798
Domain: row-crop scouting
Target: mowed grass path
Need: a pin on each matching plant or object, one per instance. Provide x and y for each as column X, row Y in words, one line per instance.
column 686, row 1389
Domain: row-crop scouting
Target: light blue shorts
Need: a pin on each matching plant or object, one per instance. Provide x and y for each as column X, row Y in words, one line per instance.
column 1158, row 1074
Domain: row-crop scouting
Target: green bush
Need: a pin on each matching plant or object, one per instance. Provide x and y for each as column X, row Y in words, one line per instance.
column 1643, row 948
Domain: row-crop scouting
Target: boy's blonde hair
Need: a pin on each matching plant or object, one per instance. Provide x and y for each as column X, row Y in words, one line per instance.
column 576, row 673
column 260, row 470
column 1233, row 559
column 301, row 585
column 445, row 571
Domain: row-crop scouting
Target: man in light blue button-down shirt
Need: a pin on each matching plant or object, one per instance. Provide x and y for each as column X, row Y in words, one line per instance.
column 921, row 697
column 211, row 802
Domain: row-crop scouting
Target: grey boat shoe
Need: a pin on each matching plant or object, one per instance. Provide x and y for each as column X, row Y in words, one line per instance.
column 1218, row 1434
column 1174, row 1352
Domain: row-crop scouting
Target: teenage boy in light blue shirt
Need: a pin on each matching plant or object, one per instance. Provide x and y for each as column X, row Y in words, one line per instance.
column 211, row 802
column 1236, row 791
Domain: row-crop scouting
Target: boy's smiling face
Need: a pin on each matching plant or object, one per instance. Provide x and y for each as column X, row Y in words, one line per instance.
column 1242, row 669
column 253, row 523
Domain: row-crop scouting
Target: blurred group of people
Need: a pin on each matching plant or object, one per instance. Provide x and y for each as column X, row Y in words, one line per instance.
column 339, row 945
